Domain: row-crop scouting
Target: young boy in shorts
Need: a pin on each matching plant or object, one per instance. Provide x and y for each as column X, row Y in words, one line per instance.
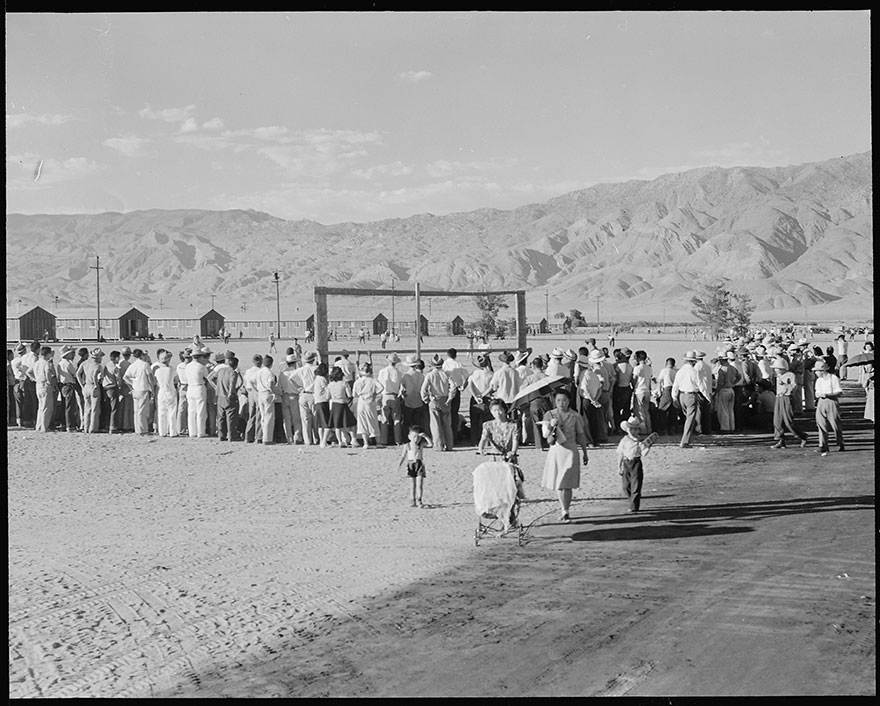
column 415, row 467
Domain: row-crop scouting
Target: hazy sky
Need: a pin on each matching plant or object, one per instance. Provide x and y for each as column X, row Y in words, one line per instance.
column 363, row 116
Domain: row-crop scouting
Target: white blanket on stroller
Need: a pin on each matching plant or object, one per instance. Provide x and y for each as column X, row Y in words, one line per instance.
column 494, row 490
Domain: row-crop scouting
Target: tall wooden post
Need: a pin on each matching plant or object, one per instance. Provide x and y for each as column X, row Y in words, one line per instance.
column 321, row 343
column 418, row 322
column 521, row 320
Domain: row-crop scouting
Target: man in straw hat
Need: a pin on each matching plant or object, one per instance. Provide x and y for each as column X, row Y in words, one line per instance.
column 622, row 392
column 413, row 410
column 196, row 374
column 290, row 386
column 167, row 383
column 127, row 402
column 253, row 429
column 305, row 380
column 555, row 366
column 67, row 380
column 29, row 360
column 139, row 378
column 478, row 385
column 182, row 406
column 435, row 393
column 783, row 417
column 828, row 393
column 19, row 371
column 45, row 383
column 685, row 389
column 390, row 378
column 589, row 392
column 90, row 376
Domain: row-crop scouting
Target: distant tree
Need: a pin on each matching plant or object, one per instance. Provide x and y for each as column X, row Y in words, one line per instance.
column 577, row 318
column 741, row 313
column 559, row 315
column 489, row 306
column 712, row 306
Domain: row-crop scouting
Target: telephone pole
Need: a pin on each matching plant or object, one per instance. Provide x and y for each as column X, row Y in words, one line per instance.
column 547, row 305
column 277, row 307
column 598, row 327
column 392, row 304
column 212, row 300
column 97, row 268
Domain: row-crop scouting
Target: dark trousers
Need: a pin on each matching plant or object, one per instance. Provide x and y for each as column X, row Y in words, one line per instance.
column 632, row 475
column 739, row 400
column 478, row 416
column 227, row 420
column 596, row 423
column 20, row 402
column 414, row 416
column 29, row 411
column 621, row 401
column 70, row 410
column 537, row 410
column 11, row 414
column 455, row 405
column 704, row 410
column 113, row 408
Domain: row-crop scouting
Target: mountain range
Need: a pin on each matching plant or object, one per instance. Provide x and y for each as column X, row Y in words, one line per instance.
column 790, row 237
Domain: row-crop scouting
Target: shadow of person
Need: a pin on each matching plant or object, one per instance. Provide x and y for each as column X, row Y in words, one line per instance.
column 676, row 531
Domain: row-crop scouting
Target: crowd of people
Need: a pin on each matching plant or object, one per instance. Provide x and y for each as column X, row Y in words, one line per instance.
column 750, row 383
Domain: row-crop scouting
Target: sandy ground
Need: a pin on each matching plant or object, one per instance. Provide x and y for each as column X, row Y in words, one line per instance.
column 178, row 567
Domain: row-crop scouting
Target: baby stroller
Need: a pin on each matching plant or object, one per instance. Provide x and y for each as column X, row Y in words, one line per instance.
column 497, row 495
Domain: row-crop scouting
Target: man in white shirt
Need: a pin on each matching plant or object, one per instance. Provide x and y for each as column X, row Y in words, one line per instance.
column 828, row 392
column 589, row 390
column 289, row 382
column 685, row 390
column 166, row 396
column 195, row 375
column 349, row 369
column 265, row 385
column 127, row 401
column 841, row 354
column 45, row 381
column 555, row 366
column 28, row 361
column 139, row 379
column 457, row 380
column 254, row 428
column 390, row 377
column 182, row 404
column 505, row 381
column 306, row 380
column 411, row 395
column 641, row 376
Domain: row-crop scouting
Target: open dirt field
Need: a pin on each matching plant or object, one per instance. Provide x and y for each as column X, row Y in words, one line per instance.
column 178, row 567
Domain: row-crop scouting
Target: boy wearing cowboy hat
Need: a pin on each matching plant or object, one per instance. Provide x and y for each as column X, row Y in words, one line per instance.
column 630, row 451
column 435, row 394
column 828, row 392
column 783, row 417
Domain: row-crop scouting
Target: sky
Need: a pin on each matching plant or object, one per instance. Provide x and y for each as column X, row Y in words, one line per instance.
column 359, row 117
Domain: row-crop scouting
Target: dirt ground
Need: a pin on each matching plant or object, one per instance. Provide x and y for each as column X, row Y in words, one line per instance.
column 178, row 567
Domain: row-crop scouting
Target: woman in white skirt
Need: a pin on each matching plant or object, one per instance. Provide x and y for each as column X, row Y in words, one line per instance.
column 565, row 431
column 367, row 391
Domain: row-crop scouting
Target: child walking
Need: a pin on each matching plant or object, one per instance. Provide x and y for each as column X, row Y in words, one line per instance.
column 415, row 466
column 629, row 459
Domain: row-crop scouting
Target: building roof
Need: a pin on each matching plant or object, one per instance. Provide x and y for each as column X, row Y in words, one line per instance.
column 11, row 313
column 90, row 312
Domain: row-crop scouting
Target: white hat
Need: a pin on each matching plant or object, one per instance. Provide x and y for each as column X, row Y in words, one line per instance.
column 820, row 365
column 690, row 355
column 291, row 358
column 392, row 358
column 779, row 363
column 596, row 356
column 699, row 354
column 411, row 359
column 520, row 357
column 570, row 354
column 633, row 423
column 556, row 353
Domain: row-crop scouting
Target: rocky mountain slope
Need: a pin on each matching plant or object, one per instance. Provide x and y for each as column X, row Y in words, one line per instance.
column 789, row 236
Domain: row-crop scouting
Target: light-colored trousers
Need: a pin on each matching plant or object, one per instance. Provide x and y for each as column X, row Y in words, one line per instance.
column 91, row 418
column 724, row 408
column 166, row 413
column 141, row 400
column 45, row 406
column 197, row 409
column 182, row 411
column 441, row 424
column 267, row 413
column 643, row 409
column 828, row 421
column 307, row 418
column 290, row 411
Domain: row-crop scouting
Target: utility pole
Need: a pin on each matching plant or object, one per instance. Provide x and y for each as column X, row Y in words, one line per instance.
column 277, row 307
column 212, row 300
column 598, row 327
column 97, row 268
column 392, row 304
column 547, row 305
